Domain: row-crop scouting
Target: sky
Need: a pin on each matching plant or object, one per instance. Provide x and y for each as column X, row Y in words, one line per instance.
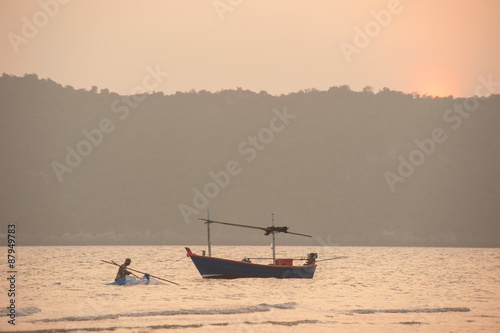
column 438, row 48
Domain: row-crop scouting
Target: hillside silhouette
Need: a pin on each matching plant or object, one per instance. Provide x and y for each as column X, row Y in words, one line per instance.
column 350, row 168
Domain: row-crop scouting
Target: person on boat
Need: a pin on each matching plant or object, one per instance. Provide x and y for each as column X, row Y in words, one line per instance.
column 122, row 271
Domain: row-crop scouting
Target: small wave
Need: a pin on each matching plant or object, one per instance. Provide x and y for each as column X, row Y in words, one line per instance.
column 293, row 323
column 284, row 323
column 236, row 310
column 284, row 306
column 157, row 327
column 28, row 311
column 412, row 323
column 432, row 310
column 108, row 329
column 22, row 312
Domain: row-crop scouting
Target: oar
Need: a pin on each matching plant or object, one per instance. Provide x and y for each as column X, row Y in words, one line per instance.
column 135, row 270
column 156, row 277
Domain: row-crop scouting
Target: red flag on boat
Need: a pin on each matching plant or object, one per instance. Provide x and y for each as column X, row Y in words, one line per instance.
column 189, row 253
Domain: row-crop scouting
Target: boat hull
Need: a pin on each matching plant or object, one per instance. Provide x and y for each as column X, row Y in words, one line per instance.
column 216, row 268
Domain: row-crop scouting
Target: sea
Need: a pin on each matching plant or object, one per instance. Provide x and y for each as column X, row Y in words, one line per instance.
column 354, row 289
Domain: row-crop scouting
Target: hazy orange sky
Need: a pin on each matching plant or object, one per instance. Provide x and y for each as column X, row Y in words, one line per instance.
column 424, row 46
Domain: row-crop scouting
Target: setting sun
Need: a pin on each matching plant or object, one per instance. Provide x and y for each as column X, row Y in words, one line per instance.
column 438, row 82
column 436, row 89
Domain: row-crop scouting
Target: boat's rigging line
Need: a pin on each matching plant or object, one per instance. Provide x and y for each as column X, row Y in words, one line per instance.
column 342, row 257
column 268, row 230
column 272, row 258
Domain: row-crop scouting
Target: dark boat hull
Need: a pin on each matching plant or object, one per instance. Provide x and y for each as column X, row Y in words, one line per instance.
column 216, row 268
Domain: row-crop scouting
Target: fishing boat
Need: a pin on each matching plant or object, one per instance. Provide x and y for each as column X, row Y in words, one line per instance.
column 283, row 268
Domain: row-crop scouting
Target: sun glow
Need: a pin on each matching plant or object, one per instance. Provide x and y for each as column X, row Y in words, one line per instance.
column 436, row 89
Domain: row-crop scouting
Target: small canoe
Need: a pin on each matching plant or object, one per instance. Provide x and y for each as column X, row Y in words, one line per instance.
column 133, row 281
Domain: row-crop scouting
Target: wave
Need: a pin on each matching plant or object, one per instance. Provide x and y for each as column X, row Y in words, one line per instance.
column 235, row 310
column 412, row 323
column 106, row 329
column 424, row 310
column 162, row 327
column 291, row 323
column 21, row 312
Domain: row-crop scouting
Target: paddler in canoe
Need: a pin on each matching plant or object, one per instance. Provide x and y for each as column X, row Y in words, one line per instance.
column 122, row 271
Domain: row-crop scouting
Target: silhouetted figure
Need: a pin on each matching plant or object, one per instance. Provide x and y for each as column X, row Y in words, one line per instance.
column 122, row 272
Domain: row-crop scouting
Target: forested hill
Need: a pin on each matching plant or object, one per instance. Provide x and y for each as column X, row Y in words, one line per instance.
column 350, row 168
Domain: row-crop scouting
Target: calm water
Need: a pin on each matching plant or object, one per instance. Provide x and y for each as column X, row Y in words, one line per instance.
column 368, row 289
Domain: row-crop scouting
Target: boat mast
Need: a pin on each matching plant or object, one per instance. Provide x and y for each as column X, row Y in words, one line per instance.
column 274, row 242
column 208, row 233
